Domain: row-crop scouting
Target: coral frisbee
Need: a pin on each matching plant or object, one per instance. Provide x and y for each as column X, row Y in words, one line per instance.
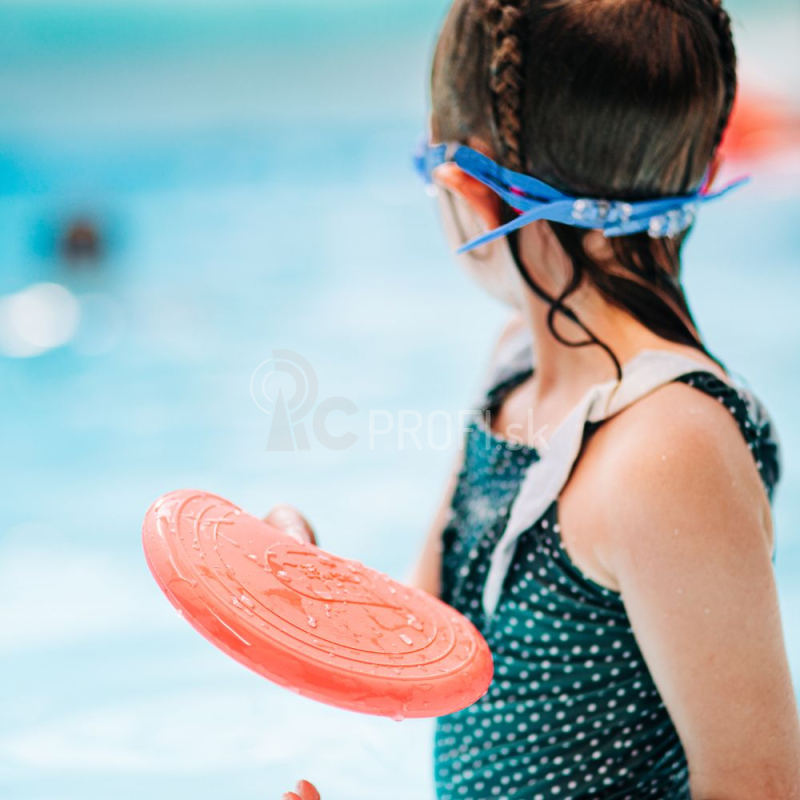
column 328, row 628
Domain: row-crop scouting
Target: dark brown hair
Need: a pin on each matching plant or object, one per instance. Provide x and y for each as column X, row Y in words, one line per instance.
column 619, row 99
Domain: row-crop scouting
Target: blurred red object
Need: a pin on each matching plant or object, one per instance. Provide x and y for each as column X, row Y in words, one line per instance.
column 760, row 126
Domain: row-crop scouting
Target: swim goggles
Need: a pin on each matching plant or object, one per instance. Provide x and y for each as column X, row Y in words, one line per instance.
column 534, row 199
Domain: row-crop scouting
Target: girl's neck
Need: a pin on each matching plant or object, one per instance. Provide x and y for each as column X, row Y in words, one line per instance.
column 566, row 371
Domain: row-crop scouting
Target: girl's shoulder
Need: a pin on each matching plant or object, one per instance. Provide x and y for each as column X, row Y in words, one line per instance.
column 693, row 451
column 754, row 421
column 702, row 417
column 699, row 405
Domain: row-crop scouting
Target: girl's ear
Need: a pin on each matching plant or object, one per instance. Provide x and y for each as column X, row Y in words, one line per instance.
column 481, row 198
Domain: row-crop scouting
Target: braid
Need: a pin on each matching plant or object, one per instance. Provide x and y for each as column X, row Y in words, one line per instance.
column 504, row 22
column 721, row 23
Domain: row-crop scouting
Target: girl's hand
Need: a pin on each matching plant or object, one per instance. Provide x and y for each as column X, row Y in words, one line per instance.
column 305, row 791
column 293, row 523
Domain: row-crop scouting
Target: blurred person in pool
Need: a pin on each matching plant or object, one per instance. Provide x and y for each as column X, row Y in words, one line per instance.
column 608, row 527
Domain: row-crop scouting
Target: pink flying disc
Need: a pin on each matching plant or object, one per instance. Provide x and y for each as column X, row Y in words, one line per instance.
column 323, row 626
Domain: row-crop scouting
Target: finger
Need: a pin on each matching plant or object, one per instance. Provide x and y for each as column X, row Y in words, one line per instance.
column 290, row 796
column 307, row 791
column 291, row 522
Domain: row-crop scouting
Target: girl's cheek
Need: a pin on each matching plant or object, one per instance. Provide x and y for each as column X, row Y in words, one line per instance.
column 491, row 266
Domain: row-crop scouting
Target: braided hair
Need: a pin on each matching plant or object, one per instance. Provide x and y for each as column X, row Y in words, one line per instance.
column 504, row 24
column 505, row 21
column 645, row 277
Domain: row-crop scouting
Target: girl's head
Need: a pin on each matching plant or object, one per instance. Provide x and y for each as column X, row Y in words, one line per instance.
column 620, row 99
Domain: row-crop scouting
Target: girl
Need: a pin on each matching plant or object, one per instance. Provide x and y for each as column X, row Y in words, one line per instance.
column 608, row 527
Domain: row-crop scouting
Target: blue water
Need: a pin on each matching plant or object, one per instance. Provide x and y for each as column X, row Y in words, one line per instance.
column 251, row 205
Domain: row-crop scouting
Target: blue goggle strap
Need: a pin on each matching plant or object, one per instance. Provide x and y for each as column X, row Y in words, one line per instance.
column 536, row 200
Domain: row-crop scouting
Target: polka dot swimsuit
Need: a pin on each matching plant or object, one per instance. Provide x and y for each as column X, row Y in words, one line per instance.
column 572, row 711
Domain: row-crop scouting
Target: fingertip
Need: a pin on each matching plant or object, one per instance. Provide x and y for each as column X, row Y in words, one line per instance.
column 297, row 534
column 311, row 537
column 292, row 523
column 307, row 791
